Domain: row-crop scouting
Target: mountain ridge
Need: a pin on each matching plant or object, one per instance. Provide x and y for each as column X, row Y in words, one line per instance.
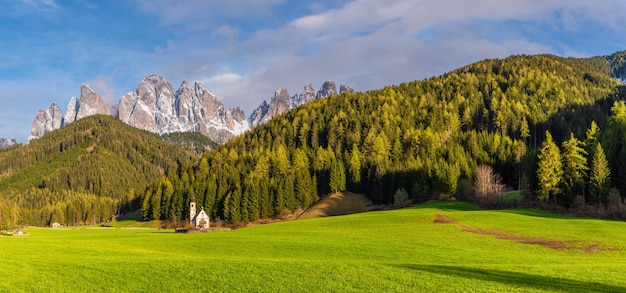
column 157, row 107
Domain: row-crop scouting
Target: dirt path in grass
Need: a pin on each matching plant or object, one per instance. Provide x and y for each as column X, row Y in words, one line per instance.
column 582, row 245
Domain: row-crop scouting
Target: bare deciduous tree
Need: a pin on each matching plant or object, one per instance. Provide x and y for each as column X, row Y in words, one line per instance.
column 487, row 184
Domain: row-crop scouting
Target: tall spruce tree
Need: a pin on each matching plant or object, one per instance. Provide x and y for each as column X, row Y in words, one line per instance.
column 600, row 177
column 337, row 176
column 550, row 169
column 574, row 166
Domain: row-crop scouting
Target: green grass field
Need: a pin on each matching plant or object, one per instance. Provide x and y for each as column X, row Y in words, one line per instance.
column 391, row 251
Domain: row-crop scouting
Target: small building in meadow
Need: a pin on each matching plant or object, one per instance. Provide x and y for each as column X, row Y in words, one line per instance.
column 56, row 225
column 200, row 220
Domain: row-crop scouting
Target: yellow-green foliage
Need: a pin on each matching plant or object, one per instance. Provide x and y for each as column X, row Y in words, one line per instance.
column 85, row 172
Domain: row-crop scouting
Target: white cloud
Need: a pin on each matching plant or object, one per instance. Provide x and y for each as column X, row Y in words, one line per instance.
column 226, row 31
column 369, row 44
column 224, row 78
column 174, row 12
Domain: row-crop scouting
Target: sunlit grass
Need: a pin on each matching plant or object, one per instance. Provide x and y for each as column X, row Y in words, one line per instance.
column 400, row 250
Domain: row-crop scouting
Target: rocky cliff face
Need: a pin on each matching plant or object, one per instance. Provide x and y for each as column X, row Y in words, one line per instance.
column 156, row 107
column 281, row 102
column 617, row 65
column 51, row 119
column 46, row 121
column 7, row 142
column 89, row 104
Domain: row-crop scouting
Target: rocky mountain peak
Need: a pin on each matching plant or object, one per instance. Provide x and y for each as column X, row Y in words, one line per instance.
column 307, row 95
column 345, row 89
column 7, row 142
column 328, row 89
column 617, row 65
column 90, row 103
column 156, row 107
column 46, row 121
column 281, row 102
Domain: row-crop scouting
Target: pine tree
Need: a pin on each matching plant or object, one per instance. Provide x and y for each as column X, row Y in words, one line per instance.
column 337, row 176
column 574, row 164
column 355, row 165
column 550, row 169
column 524, row 129
column 592, row 137
column 600, row 177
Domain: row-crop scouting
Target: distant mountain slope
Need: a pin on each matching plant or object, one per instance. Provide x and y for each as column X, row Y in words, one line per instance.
column 95, row 157
column 191, row 141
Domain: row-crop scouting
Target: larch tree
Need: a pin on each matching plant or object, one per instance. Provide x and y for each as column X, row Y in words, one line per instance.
column 600, row 177
column 550, row 169
column 337, row 176
column 574, row 165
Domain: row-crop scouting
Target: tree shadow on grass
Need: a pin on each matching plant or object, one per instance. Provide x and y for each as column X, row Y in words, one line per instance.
column 448, row 206
column 540, row 214
column 516, row 279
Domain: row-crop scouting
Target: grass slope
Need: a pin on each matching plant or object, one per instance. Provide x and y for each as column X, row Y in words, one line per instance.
column 393, row 251
column 343, row 203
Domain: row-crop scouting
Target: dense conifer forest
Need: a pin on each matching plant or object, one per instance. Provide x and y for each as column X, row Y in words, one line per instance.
column 425, row 138
column 83, row 173
column 552, row 126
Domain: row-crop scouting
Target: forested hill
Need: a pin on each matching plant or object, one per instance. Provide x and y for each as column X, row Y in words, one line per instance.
column 421, row 139
column 83, row 173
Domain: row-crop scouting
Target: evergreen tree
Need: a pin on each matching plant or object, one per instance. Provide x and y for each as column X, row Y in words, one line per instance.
column 550, row 169
column 524, row 129
column 592, row 137
column 600, row 177
column 574, row 165
column 355, row 166
column 337, row 176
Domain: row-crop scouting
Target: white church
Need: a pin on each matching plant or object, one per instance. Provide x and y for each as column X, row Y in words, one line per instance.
column 198, row 221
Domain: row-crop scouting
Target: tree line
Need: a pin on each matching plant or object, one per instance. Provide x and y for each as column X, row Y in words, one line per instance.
column 582, row 172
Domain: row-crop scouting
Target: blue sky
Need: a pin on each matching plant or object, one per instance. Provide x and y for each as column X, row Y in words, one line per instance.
column 244, row 49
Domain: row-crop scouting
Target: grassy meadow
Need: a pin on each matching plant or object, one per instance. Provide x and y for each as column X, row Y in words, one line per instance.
column 394, row 251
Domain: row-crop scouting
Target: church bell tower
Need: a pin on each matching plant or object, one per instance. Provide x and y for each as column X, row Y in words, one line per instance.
column 192, row 210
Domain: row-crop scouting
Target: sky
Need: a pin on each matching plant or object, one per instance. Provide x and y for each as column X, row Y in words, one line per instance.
column 242, row 50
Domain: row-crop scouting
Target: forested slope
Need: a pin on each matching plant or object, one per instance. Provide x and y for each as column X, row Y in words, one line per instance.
column 83, row 173
column 422, row 137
